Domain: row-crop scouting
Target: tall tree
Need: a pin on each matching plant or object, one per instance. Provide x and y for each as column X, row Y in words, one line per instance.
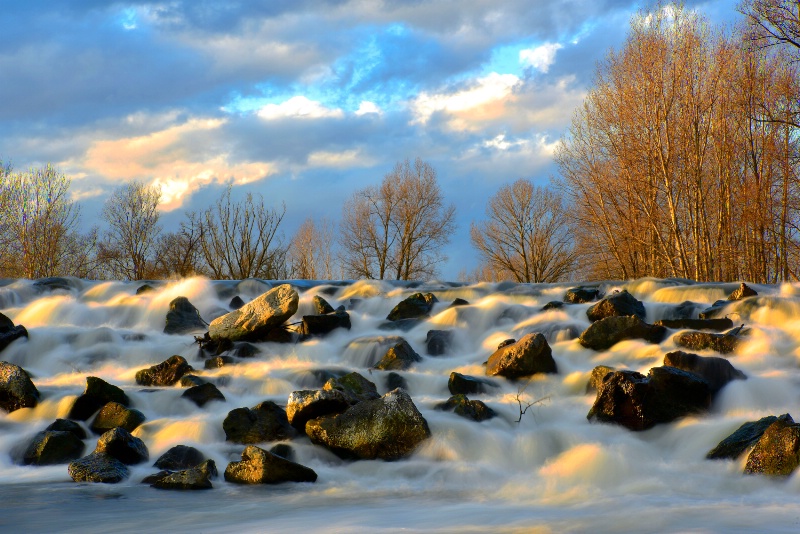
column 310, row 254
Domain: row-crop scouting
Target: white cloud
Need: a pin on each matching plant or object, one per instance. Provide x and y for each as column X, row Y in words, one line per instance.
column 298, row 107
column 368, row 107
column 339, row 160
column 541, row 57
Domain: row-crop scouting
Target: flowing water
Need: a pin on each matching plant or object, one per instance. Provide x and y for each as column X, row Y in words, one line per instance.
column 553, row 471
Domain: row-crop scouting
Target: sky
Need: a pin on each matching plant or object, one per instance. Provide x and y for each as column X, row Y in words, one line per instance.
column 302, row 101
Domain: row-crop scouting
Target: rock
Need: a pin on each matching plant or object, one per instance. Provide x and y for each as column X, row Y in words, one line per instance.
column 114, row 415
column 403, row 325
column 596, row 378
column 262, row 467
column 581, row 295
column 256, row 320
column 637, row 402
column 395, row 380
column 467, row 385
column 605, row 333
column 65, row 425
column 97, row 394
column 355, row 387
column 120, row 444
column 744, row 437
column 694, row 340
column 310, row 404
column 505, row 343
column 742, row 292
column 195, row 478
column 180, row 457
column 54, row 283
column 417, row 306
column 98, row 467
column 619, row 304
column 144, row 288
column 684, row 310
column 183, row 318
column 777, row 452
column 697, row 324
column 388, row 428
column 188, row 381
column 399, row 357
column 714, row 310
column 716, row 371
column 236, row 303
column 16, row 388
column 242, row 349
column 284, row 450
column 458, row 302
column 53, row 447
column 216, row 362
column 437, row 342
column 319, row 325
column 265, row 422
column 553, row 305
column 165, row 373
column 202, row 394
column 528, row 356
column 470, row 409
column 9, row 332
column 321, row 306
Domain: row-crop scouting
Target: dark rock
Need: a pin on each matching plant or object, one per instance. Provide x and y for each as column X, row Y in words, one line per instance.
column 437, row 342
column 262, row 467
column 97, row 394
column 9, row 332
column 216, row 362
column 637, row 402
column 180, row 457
column 596, row 378
column 265, row 422
column 553, row 305
column 144, row 288
column 697, row 324
column 580, row 295
column 242, row 349
column 236, row 303
column 355, row 387
column 98, row 467
column 714, row 310
column 399, row 357
column 467, row 385
column 743, row 438
column 114, row 415
column 321, row 306
column 684, row 310
column 120, row 444
column 743, row 291
column 53, row 447
column 16, row 388
column 394, row 381
column 716, row 371
column 284, row 450
column 470, row 409
column 416, row 306
column 310, row 404
column 619, row 304
column 202, row 394
column 54, row 283
column 188, row 381
column 605, row 333
column 260, row 319
column 388, row 428
column 458, row 302
column 777, row 452
column 403, row 325
column 165, row 373
column 315, row 378
column 65, row 425
column 506, row 343
column 195, row 478
column 183, row 318
column 319, row 325
column 528, row 356
column 694, row 340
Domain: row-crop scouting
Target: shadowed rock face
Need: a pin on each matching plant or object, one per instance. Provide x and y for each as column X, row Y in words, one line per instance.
column 399, row 357
column 183, row 318
column 120, row 444
column 255, row 320
column 9, row 332
column 310, row 404
column 262, row 467
column 743, row 291
column 53, row 447
column 97, row 394
column 716, row 371
column 722, row 343
column 743, row 438
column 114, row 415
column 469, row 409
column 16, row 388
column 354, row 387
column 580, row 295
column 264, row 422
column 98, row 467
column 165, row 373
column 467, row 385
column 528, row 356
column 777, row 452
column 607, row 332
column 621, row 304
column 193, row 478
column 416, row 306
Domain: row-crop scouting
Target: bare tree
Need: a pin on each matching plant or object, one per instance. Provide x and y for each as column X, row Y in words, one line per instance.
column 310, row 253
column 526, row 237
column 241, row 240
column 180, row 254
column 773, row 21
column 129, row 243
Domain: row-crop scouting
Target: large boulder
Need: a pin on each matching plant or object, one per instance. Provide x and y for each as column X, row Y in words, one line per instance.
column 744, row 438
column 719, row 325
column 388, row 428
column 310, row 404
column 417, row 306
column 114, row 415
column 193, row 478
column 695, row 340
column 9, row 332
column 605, row 333
column 264, row 422
column 470, row 409
column 255, row 320
column 743, row 291
column 165, row 373
column 354, row 387
column 467, row 385
column 97, row 394
column 716, row 371
column 53, row 447
column 16, row 388
column 637, row 402
column 319, row 325
column 582, row 294
column 262, row 467
column 180, row 457
column 183, row 318
column 203, row 393
column 619, row 304
column 98, row 467
column 120, row 444
column 399, row 357
column 65, row 425
column 777, row 452
column 528, row 356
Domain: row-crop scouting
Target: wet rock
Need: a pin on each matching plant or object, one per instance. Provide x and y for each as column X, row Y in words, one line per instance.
column 97, row 394
column 321, row 306
column 242, row 349
column 605, row 333
column 777, row 452
column 180, row 457
column 319, row 325
column 395, row 380
column 355, row 387
column 437, row 342
column 144, row 288
column 98, row 467
column 183, row 318
column 416, row 306
column 528, row 356
column 9, row 332
column 195, row 478
column 694, row 340
column 284, row 450
column 637, row 402
column 581, row 295
column 259, row 319
column 619, row 304
column 403, row 325
column 719, row 325
column 596, row 378
column 53, row 447
column 203, row 394
column 16, row 388
column 469, row 409
column 120, row 444
column 216, row 362
column 714, row 310
column 54, row 283
column 315, row 378
column 388, row 428
column 65, row 425
column 399, row 357
column 458, row 302
column 236, row 303
column 114, row 415
column 165, row 373
column 264, row 422
column 310, row 404
column 553, row 305
column 744, row 437
column 262, row 467
column 743, row 291
column 716, row 371
column 468, row 385
column 505, row 343
column 188, row 381
column 684, row 310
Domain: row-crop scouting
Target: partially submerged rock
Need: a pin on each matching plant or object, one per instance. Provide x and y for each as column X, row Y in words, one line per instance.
column 319, row 325
column 437, row 342
column 120, row 444
column 716, row 371
column 98, row 467
column 719, row 325
column 183, row 318
column 264, row 422
column 528, row 356
column 416, row 306
column 468, row 385
column 262, row 467
column 599, row 374
column 53, row 447
column 193, row 478
column 97, row 394
column 354, row 387
column 695, row 340
column 321, row 306
column 256, row 320
column 744, row 437
column 777, row 452
column 310, row 404
column 470, row 409
column 399, row 357
column 16, row 388
column 203, row 394
column 165, row 373
column 114, row 415
column 9, row 332
column 605, row 333
column 180, row 457
column 619, row 304
column 582, row 294
column 743, row 291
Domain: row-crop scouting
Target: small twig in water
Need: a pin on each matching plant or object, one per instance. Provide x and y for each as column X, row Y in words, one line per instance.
column 518, row 398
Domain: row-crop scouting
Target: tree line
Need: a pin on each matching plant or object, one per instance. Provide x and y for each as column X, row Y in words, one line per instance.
column 683, row 161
